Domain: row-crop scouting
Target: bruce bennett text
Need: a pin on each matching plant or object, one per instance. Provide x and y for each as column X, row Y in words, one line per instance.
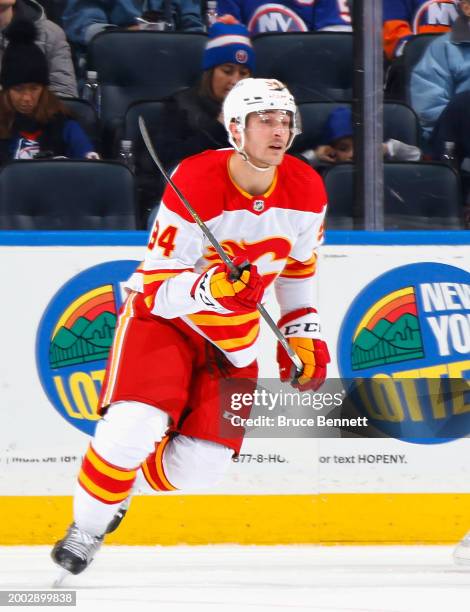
column 285, row 421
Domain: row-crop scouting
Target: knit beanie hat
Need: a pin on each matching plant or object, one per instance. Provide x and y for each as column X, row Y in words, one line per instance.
column 23, row 61
column 228, row 43
column 338, row 125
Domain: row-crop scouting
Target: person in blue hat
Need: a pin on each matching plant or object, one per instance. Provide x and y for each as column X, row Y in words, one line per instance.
column 191, row 120
column 337, row 142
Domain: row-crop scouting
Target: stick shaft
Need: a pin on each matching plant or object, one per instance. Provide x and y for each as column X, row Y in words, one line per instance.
column 215, row 243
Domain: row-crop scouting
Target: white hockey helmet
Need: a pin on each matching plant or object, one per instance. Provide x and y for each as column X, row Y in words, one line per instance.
column 255, row 95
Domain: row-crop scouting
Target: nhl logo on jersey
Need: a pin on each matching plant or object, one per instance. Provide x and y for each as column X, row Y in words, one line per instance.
column 258, row 205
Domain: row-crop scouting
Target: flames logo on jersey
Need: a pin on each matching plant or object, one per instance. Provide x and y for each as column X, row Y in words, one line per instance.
column 404, row 351
column 265, row 253
column 74, row 339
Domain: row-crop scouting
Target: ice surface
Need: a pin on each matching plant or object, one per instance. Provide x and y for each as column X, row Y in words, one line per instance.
column 252, row 578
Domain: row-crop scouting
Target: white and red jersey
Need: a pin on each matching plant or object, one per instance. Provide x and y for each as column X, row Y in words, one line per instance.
column 279, row 231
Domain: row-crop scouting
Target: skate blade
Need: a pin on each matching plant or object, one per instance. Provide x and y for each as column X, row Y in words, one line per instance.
column 60, row 578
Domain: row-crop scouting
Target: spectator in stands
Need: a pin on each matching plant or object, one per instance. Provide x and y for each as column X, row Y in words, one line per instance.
column 338, row 144
column 51, row 40
column 404, row 18
column 450, row 141
column 33, row 121
column 262, row 16
column 442, row 72
column 453, row 126
column 192, row 119
column 83, row 19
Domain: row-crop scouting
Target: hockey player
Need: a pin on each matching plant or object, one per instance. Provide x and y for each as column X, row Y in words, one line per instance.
column 188, row 326
column 404, row 18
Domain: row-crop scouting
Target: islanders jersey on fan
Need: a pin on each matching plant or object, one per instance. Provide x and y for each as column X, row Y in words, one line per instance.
column 290, row 16
column 404, row 18
column 279, row 231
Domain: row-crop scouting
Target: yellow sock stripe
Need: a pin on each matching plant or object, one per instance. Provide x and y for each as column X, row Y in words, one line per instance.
column 119, row 335
column 104, row 468
column 149, row 478
column 304, row 273
column 159, row 464
column 99, row 492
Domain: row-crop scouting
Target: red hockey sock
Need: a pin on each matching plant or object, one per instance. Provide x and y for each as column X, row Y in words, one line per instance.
column 105, row 482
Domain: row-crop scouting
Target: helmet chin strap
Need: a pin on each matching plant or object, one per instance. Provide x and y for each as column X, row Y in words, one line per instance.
column 241, row 149
column 257, row 168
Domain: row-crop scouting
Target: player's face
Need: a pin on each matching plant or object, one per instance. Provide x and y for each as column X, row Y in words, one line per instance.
column 25, row 97
column 225, row 77
column 266, row 136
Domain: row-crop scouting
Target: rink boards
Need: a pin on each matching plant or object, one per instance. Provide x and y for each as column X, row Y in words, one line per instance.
column 393, row 305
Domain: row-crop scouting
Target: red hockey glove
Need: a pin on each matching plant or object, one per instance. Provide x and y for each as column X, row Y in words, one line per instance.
column 216, row 290
column 302, row 330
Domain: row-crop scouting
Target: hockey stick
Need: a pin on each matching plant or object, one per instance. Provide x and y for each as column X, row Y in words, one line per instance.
column 217, row 246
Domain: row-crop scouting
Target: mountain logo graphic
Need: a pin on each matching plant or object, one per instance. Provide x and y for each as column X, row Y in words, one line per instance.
column 74, row 338
column 389, row 332
column 85, row 330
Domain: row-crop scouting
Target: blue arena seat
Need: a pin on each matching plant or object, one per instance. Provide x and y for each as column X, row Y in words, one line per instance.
column 142, row 65
column 150, row 110
column 314, row 65
column 86, row 116
column 417, row 195
column 63, row 194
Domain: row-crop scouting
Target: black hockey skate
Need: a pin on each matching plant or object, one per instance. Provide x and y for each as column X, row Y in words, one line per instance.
column 76, row 550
